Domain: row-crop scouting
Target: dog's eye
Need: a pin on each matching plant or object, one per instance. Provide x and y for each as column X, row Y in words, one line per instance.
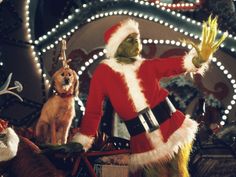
column 69, row 74
column 62, row 74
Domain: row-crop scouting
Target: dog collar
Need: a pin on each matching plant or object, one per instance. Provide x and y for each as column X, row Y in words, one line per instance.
column 64, row 95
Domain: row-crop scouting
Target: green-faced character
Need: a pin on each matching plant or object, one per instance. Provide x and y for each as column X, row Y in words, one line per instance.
column 129, row 49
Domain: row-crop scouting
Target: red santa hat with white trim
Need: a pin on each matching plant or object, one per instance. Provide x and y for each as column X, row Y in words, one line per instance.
column 117, row 33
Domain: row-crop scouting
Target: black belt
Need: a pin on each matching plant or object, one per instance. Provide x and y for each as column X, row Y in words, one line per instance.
column 161, row 113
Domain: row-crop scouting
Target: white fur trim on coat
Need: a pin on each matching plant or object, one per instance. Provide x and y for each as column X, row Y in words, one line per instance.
column 8, row 150
column 127, row 27
column 85, row 140
column 129, row 74
column 162, row 151
column 189, row 66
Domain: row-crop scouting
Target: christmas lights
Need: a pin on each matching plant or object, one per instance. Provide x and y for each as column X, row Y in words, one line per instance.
column 32, row 48
column 176, row 6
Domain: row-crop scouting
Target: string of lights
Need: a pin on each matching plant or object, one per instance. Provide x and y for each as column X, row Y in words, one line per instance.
column 187, row 23
column 178, row 6
column 37, row 59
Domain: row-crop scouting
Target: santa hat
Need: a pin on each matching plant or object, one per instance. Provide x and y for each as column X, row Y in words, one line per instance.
column 115, row 35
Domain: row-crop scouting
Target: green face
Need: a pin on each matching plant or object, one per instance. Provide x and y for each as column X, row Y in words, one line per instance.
column 130, row 47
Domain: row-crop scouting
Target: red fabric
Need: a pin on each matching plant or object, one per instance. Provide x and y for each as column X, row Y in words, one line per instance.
column 140, row 143
column 110, row 32
column 171, row 125
column 108, row 83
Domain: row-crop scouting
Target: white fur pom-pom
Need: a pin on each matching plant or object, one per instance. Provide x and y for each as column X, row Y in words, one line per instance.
column 8, row 149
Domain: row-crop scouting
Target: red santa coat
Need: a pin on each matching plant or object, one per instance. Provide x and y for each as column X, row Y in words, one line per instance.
column 131, row 88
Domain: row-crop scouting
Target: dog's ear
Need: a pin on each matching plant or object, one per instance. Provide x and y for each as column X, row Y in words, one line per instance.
column 76, row 84
column 51, row 89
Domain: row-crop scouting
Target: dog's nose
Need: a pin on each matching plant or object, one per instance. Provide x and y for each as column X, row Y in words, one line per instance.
column 67, row 80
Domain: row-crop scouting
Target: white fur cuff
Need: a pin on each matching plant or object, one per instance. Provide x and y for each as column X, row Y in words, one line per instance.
column 189, row 66
column 85, row 140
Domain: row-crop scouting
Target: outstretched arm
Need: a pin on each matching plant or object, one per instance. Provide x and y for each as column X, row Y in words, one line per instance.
column 197, row 60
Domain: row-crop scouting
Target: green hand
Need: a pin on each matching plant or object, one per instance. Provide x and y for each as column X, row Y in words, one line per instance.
column 209, row 45
column 71, row 147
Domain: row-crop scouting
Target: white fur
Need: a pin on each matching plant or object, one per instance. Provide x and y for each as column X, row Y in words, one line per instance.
column 129, row 73
column 8, row 151
column 85, row 140
column 162, row 151
column 126, row 28
column 189, row 66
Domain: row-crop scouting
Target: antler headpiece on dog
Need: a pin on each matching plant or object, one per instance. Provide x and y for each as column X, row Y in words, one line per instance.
column 63, row 55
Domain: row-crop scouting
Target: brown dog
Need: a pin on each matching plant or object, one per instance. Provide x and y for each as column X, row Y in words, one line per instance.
column 58, row 112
